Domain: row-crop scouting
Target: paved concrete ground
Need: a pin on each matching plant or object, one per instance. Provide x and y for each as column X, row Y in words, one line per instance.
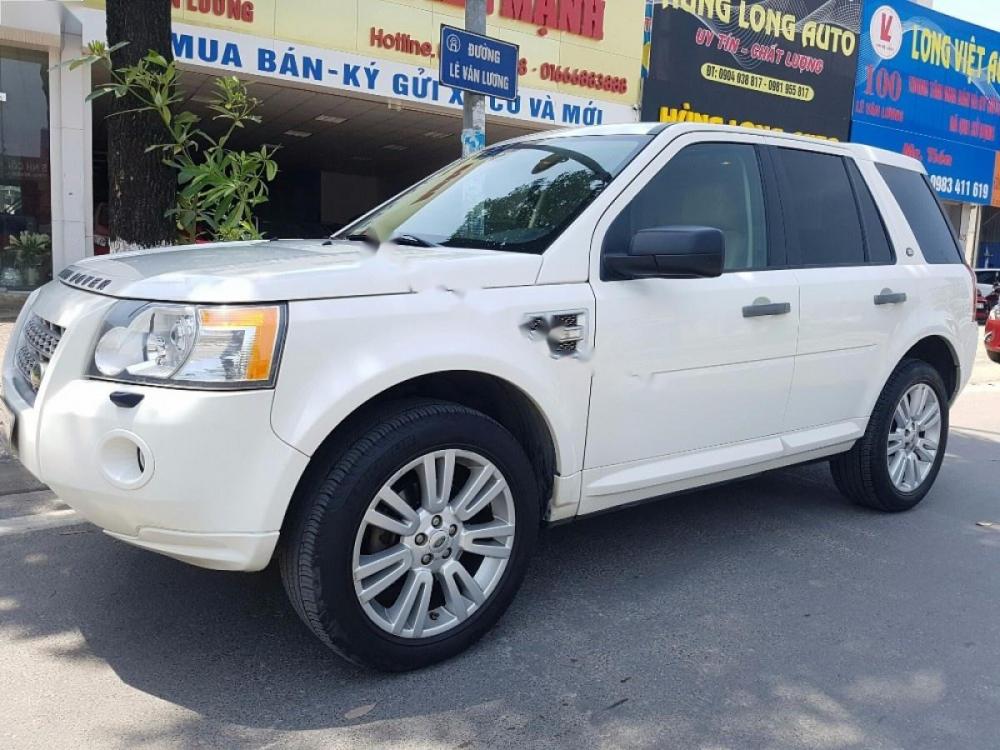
column 768, row 613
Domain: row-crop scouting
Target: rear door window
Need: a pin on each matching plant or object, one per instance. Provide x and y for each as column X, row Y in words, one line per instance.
column 877, row 241
column 923, row 212
column 821, row 215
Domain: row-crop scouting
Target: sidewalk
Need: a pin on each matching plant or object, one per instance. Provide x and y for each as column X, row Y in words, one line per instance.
column 20, row 493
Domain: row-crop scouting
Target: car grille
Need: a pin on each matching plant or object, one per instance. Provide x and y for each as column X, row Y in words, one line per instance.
column 38, row 344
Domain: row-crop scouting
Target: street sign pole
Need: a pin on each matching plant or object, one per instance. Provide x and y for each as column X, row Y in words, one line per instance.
column 474, row 105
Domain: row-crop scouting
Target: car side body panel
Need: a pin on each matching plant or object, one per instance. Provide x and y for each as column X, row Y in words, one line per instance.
column 389, row 340
column 845, row 348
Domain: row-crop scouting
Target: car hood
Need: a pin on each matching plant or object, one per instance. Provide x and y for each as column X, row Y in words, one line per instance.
column 294, row 269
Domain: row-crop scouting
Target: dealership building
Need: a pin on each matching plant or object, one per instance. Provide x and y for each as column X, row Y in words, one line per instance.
column 926, row 86
column 890, row 73
column 349, row 91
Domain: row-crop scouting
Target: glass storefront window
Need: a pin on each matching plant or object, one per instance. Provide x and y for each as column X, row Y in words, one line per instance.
column 989, row 239
column 25, row 197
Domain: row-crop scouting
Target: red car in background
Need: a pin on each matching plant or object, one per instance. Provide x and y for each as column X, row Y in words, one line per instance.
column 992, row 339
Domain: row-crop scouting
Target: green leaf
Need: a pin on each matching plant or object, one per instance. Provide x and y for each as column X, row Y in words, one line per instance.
column 96, row 94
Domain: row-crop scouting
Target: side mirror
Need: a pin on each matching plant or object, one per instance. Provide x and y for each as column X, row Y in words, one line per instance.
column 677, row 252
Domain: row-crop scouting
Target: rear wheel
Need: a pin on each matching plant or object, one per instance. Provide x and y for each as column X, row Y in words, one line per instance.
column 416, row 541
column 995, row 356
column 895, row 463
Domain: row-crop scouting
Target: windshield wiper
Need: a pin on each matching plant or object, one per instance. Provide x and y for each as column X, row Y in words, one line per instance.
column 412, row 241
column 366, row 236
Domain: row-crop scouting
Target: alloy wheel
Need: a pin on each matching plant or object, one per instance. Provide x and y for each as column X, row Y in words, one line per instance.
column 914, row 436
column 434, row 543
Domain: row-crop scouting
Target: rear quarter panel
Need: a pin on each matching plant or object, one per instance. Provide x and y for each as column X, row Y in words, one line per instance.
column 942, row 302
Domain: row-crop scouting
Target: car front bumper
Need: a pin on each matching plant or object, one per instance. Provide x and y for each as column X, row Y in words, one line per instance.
column 196, row 475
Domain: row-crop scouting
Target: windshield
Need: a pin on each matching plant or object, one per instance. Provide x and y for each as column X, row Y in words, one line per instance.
column 517, row 196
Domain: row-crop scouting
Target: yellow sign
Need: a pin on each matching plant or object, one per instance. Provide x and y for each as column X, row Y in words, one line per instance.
column 575, row 47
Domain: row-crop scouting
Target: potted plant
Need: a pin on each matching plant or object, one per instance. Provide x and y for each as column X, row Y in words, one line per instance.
column 33, row 250
column 10, row 275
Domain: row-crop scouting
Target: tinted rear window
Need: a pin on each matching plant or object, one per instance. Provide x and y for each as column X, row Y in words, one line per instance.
column 876, row 238
column 822, row 216
column 920, row 206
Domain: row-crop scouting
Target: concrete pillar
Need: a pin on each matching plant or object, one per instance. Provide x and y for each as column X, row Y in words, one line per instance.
column 70, row 143
column 969, row 234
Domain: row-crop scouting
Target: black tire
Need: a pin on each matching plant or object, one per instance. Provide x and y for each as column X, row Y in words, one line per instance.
column 995, row 356
column 316, row 554
column 862, row 474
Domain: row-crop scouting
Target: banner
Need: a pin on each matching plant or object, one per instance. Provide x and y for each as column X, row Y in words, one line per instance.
column 228, row 53
column 785, row 65
column 926, row 87
column 587, row 49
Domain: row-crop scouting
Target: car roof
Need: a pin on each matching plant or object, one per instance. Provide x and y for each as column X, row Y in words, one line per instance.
column 629, row 128
column 672, row 130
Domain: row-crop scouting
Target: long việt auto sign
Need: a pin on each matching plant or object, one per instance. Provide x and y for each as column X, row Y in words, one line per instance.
column 773, row 64
column 926, row 87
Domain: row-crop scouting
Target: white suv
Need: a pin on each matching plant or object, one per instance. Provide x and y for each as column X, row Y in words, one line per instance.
column 557, row 326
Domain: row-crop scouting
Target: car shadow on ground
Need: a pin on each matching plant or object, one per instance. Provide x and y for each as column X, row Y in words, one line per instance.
column 771, row 600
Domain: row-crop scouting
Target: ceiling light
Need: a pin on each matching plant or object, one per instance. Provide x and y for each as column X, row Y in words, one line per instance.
column 298, row 133
column 332, row 118
column 394, row 147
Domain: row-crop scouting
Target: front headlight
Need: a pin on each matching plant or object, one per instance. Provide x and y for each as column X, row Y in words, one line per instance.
column 995, row 313
column 190, row 346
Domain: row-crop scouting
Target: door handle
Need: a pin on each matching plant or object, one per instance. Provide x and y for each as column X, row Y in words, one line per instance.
column 760, row 309
column 889, row 297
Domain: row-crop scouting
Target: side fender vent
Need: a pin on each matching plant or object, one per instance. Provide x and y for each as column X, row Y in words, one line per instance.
column 565, row 333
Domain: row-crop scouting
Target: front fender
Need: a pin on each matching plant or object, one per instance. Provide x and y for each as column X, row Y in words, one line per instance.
column 339, row 354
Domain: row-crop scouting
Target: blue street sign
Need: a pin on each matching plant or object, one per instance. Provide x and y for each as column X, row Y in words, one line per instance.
column 477, row 63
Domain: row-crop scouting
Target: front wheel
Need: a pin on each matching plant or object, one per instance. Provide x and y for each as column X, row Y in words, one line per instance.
column 995, row 356
column 416, row 541
column 892, row 467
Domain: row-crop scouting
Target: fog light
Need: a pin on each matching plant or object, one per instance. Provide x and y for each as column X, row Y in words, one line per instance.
column 125, row 460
